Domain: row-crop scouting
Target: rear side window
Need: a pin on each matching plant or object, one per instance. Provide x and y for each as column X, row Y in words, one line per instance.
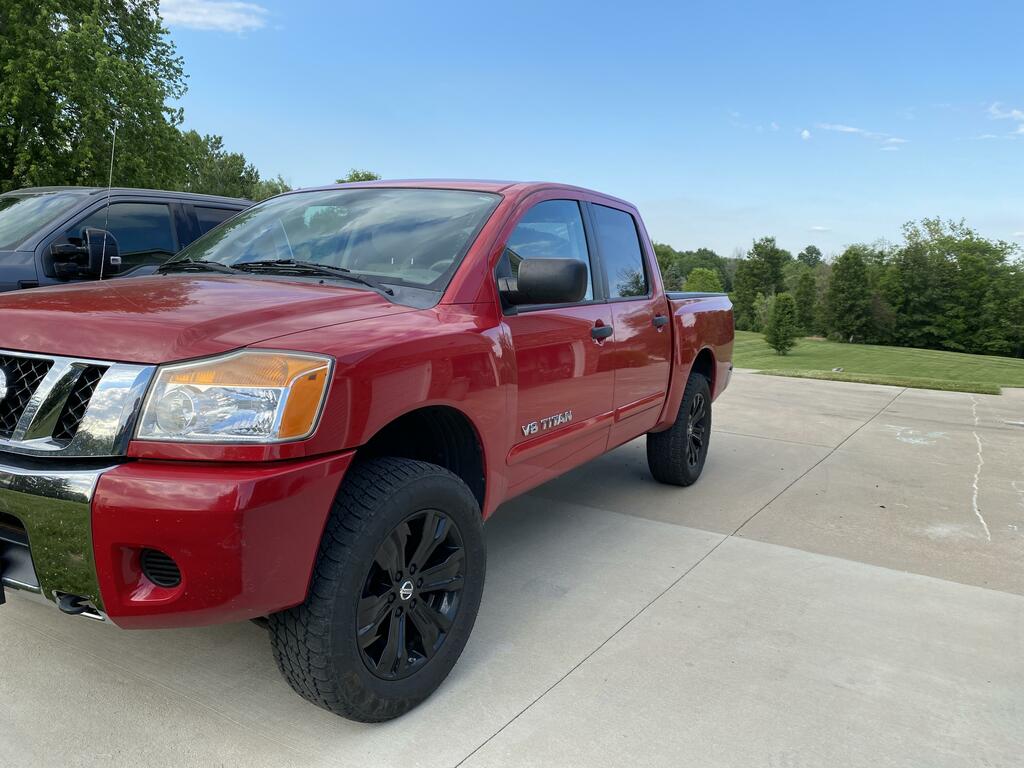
column 552, row 229
column 621, row 256
column 211, row 217
column 144, row 231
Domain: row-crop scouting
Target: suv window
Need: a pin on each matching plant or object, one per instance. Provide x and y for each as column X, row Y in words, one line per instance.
column 144, row 231
column 211, row 217
column 621, row 256
column 552, row 229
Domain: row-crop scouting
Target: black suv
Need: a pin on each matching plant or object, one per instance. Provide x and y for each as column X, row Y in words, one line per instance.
column 51, row 235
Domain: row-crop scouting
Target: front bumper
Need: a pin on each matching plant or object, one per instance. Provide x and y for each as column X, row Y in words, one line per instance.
column 244, row 537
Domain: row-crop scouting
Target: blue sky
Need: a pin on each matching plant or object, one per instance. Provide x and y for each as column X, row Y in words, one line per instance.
column 825, row 123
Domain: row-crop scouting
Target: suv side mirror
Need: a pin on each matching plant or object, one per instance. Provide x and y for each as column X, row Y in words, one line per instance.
column 546, row 281
column 104, row 258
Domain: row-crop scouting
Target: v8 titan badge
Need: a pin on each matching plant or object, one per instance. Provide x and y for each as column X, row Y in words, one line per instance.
column 548, row 422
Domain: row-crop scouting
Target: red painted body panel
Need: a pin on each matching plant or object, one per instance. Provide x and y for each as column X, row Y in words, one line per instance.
column 244, row 521
column 244, row 536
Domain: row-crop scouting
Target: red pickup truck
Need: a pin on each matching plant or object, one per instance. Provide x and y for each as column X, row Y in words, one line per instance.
column 309, row 413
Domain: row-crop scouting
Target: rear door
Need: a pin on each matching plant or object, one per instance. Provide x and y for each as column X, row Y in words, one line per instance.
column 642, row 344
column 565, row 377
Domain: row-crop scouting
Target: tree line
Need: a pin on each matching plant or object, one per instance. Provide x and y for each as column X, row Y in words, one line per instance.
column 72, row 69
column 943, row 287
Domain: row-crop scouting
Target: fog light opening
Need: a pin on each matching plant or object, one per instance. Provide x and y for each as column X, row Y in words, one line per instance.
column 160, row 568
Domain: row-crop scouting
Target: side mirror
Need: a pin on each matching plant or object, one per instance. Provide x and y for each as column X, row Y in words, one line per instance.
column 104, row 258
column 546, row 281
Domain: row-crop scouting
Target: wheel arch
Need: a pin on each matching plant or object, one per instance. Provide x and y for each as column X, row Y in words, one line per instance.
column 438, row 434
column 704, row 364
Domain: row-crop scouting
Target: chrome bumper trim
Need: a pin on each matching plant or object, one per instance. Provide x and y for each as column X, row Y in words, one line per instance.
column 55, row 506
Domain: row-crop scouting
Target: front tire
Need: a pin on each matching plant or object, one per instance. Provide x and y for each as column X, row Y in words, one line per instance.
column 394, row 594
column 676, row 455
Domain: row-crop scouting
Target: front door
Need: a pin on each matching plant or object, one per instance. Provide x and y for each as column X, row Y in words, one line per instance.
column 565, row 378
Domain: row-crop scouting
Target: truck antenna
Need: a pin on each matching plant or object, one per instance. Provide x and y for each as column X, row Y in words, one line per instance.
column 106, row 209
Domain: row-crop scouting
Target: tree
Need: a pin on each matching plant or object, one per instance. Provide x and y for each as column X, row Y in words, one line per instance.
column 69, row 69
column 848, row 301
column 768, row 260
column 212, row 170
column 704, row 280
column 806, row 299
column 762, row 311
column 761, row 272
column 781, row 332
column 811, row 256
column 355, row 174
column 269, row 187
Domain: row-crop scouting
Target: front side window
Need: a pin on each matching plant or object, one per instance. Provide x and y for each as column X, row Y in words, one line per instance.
column 23, row 214
column 144, row 231
column 413, row 237
column 552, row 229
column 620, row 252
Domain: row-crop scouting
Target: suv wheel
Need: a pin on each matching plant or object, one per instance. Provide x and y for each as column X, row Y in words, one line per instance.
column 676, row 455
column 394, row 594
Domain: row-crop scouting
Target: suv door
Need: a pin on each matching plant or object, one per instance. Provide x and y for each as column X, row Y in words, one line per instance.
column 643, row 336
column 562, row 353
column 146, row 232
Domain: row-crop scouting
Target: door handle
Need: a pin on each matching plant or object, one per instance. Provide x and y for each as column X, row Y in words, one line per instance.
column 659, row 321
column 600, row 332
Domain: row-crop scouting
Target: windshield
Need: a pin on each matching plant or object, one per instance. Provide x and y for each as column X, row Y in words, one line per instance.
column 413, row 237
column 22, row 214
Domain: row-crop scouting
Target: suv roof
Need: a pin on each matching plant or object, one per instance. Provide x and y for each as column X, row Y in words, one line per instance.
column 194, row 196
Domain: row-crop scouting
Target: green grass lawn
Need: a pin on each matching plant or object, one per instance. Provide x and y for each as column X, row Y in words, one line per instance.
column 899, row 366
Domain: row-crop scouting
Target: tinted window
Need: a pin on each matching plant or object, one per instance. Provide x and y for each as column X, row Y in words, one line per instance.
column 211, row 217
column 143, row 231
column 620, row 252
column 415, row 237
column 550, row 230
column 21, row 215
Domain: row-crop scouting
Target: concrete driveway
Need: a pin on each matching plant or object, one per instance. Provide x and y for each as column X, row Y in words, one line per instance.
column 844, row 586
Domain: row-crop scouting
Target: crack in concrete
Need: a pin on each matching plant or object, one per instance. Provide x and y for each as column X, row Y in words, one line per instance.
column 977, row 471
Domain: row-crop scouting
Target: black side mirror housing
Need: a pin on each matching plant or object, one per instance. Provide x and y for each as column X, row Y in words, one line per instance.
column 546, row 281
column 104, row 258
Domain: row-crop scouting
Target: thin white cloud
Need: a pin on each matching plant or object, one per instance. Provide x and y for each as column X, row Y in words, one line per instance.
column 1018, row 235
column 774, row 126
column 885, row 138
column 997, row 112
column 214, row 15
column 819, row 228
column 805, row 134
column 890, row 148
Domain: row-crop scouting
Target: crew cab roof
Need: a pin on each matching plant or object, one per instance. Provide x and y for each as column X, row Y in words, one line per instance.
column 517, row 188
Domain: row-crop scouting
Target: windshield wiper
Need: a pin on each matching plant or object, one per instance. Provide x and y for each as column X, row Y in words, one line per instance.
column 293, row 267
column 186, row 265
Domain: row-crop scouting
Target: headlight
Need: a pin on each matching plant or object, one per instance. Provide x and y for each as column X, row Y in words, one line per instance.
column 250, row 396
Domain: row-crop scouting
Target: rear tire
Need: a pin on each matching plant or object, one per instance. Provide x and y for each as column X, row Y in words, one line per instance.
column 676, row 455
column 394, row 593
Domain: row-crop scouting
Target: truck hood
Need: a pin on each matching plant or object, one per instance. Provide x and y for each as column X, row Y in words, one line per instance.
column 165, row 318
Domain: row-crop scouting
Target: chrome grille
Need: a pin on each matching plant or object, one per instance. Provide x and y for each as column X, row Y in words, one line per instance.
column 68, row 406
column 23, row 376
column 74, row 409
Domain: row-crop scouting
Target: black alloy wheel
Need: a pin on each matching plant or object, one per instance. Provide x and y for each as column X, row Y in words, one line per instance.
column 676, row 455
column 411, row 595
column 696, row 428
